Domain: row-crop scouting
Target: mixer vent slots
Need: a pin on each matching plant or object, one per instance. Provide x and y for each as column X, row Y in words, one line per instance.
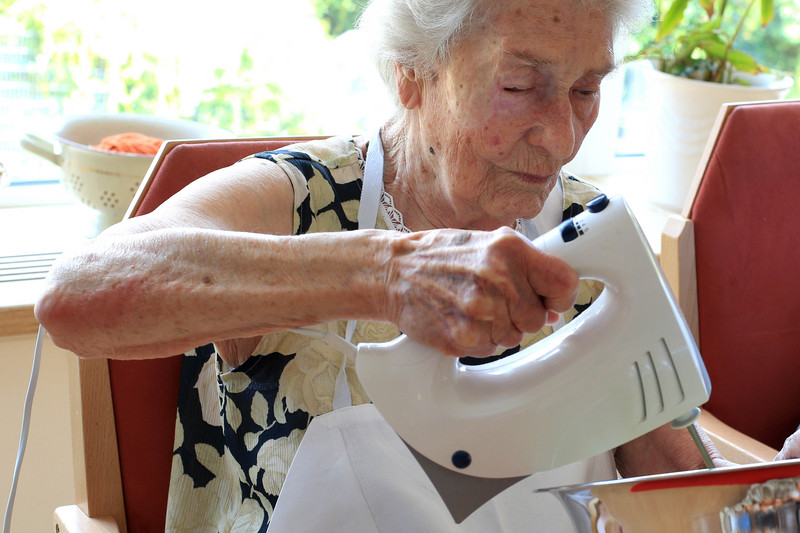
column 657, row 380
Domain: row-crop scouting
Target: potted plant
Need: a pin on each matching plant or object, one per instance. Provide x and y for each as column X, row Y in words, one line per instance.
column 694, row 67
column 703, row 49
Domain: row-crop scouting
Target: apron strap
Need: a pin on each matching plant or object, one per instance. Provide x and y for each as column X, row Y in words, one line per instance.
column 371, row 191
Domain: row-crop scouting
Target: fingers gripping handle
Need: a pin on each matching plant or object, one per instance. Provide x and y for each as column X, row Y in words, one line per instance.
column 596, row 243
column 504, row 412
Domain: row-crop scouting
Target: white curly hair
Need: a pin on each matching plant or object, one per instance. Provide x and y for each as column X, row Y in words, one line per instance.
column 420, row 33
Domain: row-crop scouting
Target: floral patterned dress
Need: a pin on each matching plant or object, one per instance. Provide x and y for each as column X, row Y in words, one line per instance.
column 237, row 430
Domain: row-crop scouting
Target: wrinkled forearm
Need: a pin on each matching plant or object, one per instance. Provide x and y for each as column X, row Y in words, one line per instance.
column 164, row 292
column 664, row 450
column 146, row 293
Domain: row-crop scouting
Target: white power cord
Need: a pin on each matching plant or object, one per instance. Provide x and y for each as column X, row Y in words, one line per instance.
column 26, row 422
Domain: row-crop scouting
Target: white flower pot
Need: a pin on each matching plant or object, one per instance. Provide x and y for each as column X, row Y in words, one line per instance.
column 684, row 112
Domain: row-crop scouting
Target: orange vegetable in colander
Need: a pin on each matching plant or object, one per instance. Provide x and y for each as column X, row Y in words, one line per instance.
column 130, row 143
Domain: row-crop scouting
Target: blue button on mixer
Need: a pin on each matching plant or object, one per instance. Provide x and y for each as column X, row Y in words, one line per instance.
column 569, row 232
column 597, row 204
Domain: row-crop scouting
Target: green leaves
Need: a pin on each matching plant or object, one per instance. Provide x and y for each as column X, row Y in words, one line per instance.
column 744, row 62
column 671, row 19
column 767, row 11
column 708, row 6
column 696, row 37
column 338, row 16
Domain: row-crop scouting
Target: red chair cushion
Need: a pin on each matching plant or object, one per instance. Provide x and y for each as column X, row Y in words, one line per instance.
column 145, row 393
column 748, row 261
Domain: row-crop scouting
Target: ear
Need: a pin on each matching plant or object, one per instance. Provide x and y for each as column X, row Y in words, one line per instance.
column 409, row 88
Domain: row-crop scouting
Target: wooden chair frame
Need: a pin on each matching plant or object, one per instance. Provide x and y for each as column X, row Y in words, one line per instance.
column 678, row 263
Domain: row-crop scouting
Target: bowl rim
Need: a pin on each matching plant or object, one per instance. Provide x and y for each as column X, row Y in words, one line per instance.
column 129, row 122
column 744, row 474
column 92, row 149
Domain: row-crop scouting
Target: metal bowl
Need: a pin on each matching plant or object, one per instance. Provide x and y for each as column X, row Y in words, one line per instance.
column 701, row 501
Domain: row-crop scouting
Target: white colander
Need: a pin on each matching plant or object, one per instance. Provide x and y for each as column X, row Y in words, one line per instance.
column 107, row 181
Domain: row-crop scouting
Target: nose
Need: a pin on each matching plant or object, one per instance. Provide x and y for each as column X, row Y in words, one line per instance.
column 554, row 127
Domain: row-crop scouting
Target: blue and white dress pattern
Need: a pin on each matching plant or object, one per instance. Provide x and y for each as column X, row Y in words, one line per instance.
column 237, row 430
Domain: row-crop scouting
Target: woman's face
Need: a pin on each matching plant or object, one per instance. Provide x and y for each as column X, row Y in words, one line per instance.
column 512, row 105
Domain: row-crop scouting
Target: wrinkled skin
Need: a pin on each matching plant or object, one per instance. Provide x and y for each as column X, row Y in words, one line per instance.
column 485, row 137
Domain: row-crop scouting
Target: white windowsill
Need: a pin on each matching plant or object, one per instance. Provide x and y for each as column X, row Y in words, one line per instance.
column 30, row 238
column 45, row 228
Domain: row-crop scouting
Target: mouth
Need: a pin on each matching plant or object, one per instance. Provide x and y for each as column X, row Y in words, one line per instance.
column 536, row 179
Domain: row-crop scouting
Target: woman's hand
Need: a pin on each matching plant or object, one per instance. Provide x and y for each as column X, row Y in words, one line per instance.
column 791, row 447
column 468, row 292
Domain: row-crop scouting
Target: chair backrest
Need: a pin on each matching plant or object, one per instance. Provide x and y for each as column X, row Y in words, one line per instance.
column 748, row 268
column 144, row 393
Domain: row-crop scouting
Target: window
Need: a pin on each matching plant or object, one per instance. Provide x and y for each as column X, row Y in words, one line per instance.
column 254, row 67
column 20, row 104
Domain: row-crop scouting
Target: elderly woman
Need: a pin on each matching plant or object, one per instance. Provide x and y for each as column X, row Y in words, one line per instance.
column 493, row 98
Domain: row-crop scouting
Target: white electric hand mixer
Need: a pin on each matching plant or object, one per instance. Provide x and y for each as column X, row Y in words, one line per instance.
column 627, row 365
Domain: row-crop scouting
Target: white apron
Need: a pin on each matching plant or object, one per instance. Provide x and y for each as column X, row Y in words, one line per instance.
column 353, row 474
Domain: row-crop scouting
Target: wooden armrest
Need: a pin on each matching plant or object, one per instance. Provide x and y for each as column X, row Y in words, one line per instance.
column 98, row 482
column 71, row 519
column 734, row 445
column 678, row 263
